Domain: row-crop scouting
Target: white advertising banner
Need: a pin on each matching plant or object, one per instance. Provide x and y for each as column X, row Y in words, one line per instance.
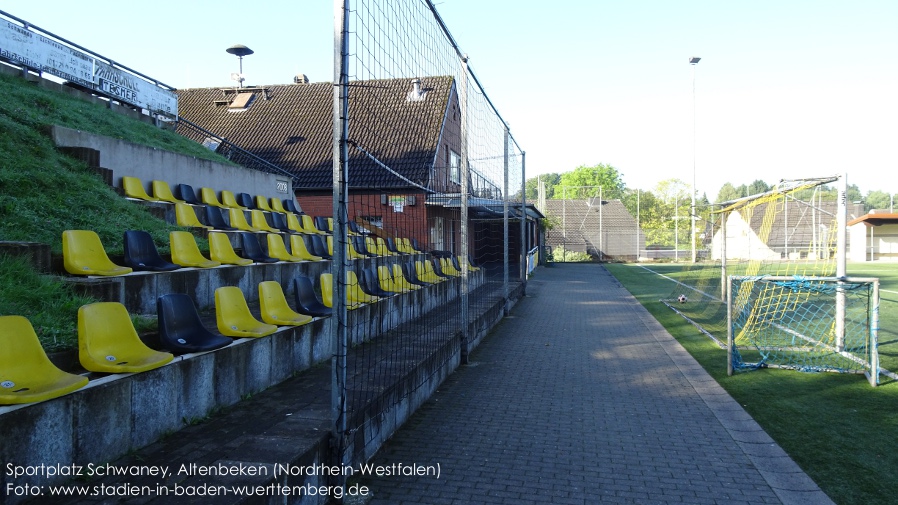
column 24, row 47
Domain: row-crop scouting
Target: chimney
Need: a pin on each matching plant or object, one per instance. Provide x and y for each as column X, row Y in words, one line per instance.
column 300, row 79
column 416, row 94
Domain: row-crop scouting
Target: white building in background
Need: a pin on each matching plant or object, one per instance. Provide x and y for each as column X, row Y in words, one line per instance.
column 873, row 237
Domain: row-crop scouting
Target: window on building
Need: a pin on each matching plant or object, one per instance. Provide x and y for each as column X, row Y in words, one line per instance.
column 454, row 167
column 436, row 234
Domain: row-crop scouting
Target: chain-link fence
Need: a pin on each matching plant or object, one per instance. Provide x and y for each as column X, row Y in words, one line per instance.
column 429, row 219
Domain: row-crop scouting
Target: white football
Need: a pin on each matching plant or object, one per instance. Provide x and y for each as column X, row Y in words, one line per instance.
column 682, row 299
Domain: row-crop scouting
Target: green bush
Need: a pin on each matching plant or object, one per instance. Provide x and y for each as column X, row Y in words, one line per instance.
column 561, row 256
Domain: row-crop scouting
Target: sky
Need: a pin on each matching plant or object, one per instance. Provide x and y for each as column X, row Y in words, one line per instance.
column 785, row 89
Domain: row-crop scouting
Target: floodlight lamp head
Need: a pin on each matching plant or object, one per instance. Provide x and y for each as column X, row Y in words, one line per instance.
column 693, row 60
column 239, row 50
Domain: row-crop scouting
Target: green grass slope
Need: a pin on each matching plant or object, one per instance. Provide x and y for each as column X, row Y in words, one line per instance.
column 44, row 192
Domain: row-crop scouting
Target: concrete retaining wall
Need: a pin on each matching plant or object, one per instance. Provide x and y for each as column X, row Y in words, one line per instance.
column 148, row 164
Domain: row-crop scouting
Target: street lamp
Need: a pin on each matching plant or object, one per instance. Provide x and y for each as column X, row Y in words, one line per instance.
column 239, row 50
column 693, row 60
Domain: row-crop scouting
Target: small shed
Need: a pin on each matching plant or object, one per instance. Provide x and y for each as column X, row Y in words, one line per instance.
column 873, row 237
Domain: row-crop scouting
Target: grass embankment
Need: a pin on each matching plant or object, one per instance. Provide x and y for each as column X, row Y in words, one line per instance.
column 838, row 428
column 44, row 192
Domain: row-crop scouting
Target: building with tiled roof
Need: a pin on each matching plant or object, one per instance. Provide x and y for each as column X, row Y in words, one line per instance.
column 600, row 228
column 404, row 145
column 777, row 230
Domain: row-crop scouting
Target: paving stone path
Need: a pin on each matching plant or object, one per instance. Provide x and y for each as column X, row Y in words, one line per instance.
column 581, row 397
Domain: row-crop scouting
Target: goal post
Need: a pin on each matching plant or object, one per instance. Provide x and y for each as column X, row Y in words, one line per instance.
column 814, row 324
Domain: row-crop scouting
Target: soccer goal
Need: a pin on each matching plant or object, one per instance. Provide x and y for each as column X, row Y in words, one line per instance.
column 790, row 230
column 814, row 324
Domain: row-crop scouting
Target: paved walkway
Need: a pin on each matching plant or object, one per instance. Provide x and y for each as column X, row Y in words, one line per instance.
column 581, row 397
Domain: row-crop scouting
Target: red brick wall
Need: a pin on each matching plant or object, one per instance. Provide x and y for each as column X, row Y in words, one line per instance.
column 410, row 223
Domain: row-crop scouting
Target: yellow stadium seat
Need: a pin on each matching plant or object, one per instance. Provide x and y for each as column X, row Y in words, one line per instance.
column 299, row 248
column 162, row 192
column 448, row 268
column 278, row 206
column 262, row 203
column 26, row 374
column 234, row 318
column 277, row 249
column 259, row 221
column 406, row 245
column 386, row 281
column 134, row 189
column 330, row 245
column 354, row 291
column 208, row 197
column 186, row 216
column 275, row 309
column 229, row 200
column 371, row 245
column 327, row 293
column 424, row 270
column 83, row 254
column 399, row 278
column 381, row 246
column 308, row 224
column 185, row 252
column 108, row 342
column 221, row 250
column 238, row 220
column 294, row 224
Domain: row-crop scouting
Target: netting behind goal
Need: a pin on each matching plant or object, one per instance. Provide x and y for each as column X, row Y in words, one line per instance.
column 796, row 322
column 788, row 231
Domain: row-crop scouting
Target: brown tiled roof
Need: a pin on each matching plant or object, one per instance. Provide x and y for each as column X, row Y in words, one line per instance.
column 292, row 127
column 578, row 227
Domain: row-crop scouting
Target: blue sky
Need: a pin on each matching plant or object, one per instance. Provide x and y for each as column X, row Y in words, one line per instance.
column 785, row 89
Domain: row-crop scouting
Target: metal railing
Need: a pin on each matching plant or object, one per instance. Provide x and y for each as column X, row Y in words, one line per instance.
column 228, row 149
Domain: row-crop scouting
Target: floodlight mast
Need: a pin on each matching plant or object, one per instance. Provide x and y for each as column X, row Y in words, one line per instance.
column 693, row 60
column 239, row 50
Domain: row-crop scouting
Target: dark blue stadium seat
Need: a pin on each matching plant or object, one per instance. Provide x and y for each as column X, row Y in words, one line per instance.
column 245, row 200
column 279, row 221
column 252, row 249
column 180, row 328
column 141, row 253
column 370, row 283
column 306, row 300
column 411, row 275
column 291, row 205
column 185, row 192
column 215, row 219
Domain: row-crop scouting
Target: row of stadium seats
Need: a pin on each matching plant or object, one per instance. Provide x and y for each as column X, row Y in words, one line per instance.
column 108, row 342
column 84, row 254
column 235, row 219
column 184, row 193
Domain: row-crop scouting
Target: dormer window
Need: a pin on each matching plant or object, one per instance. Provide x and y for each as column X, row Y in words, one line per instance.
column 241, row 101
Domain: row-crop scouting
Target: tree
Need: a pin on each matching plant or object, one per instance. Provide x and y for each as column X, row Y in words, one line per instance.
column 877, row 200
column 757, row 187
column 727, row 193
column 584, row 182
column 531, row 186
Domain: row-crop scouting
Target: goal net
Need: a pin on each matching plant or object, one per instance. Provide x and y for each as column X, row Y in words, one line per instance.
column 805, row 323
column 790, row 230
